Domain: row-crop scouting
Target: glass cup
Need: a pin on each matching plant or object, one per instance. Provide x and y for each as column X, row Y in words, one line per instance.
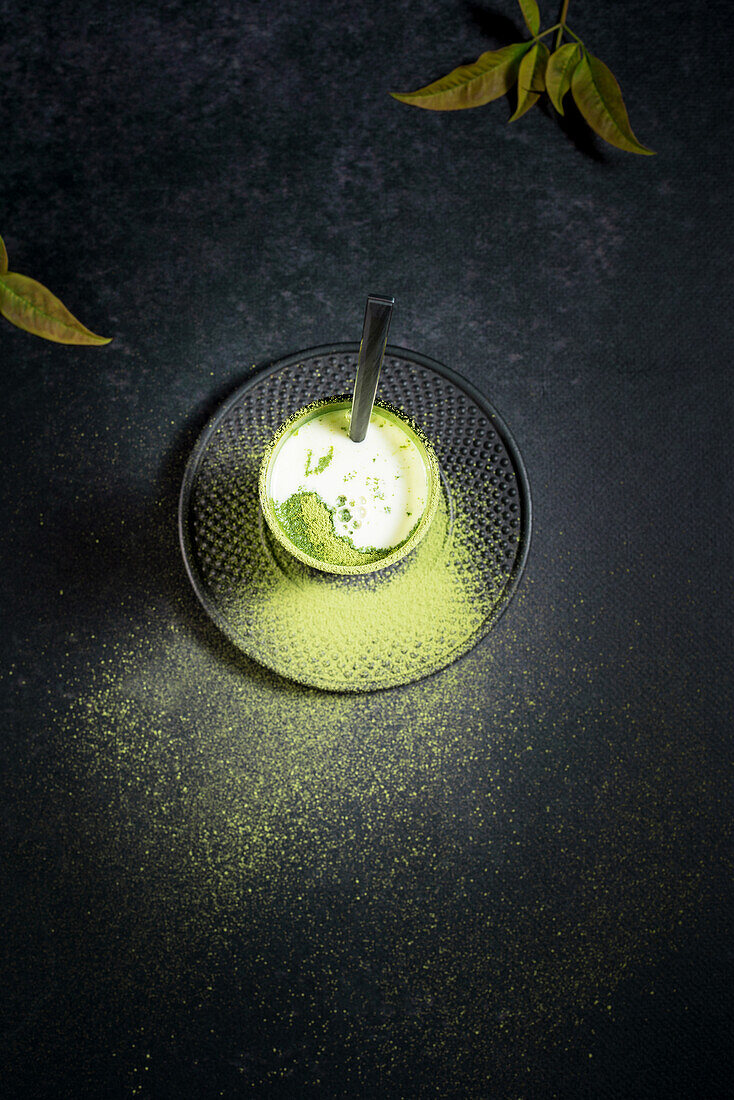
column 372, row 489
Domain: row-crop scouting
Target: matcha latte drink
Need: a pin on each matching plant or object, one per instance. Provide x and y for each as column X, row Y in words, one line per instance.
column 346, row 507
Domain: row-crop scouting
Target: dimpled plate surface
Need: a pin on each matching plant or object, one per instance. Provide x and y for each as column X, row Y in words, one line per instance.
column 263, row 599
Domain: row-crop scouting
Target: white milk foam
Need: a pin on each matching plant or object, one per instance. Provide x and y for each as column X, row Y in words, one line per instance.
column 378, row 488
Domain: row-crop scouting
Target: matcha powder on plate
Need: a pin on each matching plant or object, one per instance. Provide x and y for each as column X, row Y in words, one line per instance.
column 360, row 633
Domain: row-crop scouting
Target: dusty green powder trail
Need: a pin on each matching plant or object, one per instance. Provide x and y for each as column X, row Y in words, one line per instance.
column 320, row 861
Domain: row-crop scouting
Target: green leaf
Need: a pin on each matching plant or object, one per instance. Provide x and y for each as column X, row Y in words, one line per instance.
column 32, row 307
column 599, row 99
column 561, row 65
column 3, row 257
column 530, row 14
column 491, row 76
column 531, row 78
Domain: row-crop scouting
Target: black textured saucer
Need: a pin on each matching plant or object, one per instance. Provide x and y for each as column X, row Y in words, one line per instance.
column 386, row 628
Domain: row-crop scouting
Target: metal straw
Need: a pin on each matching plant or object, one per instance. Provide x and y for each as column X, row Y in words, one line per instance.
column 377, row 314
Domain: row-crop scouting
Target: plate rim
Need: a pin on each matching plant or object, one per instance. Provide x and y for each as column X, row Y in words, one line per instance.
column 341, row 348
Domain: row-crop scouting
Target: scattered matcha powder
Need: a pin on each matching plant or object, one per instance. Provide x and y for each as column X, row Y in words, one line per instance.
column 320, row 465
column 227, row 817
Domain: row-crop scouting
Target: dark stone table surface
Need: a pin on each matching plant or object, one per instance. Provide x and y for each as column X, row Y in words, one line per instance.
column 511, row 879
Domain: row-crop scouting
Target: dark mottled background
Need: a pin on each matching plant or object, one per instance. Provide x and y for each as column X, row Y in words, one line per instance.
column 511, row 880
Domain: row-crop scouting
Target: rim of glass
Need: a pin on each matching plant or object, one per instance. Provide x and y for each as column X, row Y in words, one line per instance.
column 432, row 475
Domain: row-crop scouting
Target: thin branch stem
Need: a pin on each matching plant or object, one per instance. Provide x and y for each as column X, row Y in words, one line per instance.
column 548, row 30
column 579, row 40
column 562, row 23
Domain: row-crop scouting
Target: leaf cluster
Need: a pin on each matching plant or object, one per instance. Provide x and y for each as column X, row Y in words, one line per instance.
column 29, row 305
column 537, row 70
